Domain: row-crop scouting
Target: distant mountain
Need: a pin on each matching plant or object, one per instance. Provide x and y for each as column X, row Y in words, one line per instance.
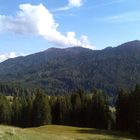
column 60, row 70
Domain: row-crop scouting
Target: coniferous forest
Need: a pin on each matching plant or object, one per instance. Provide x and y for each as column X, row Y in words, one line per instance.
column 26, row 108
column 59, row 71
column 70, row 70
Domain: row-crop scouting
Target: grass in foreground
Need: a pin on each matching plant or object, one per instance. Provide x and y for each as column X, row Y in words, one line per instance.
column 54, row 132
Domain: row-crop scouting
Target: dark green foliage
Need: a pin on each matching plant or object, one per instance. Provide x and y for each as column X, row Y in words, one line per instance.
column 15, row 90
column 16, row 112
column 30, row 110
column 76, row 108
column 41, row 110
column 5, row 111
column 85, row 112
column 135, row 111
column 99, row 111
column 128, row 111
column 26, row 111
column 61, row 109
column 64, row 70
column 122, row 113
column 80, row 109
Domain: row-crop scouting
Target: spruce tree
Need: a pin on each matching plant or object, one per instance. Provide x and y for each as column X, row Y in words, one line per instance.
column 41, row 109
column 16, row 111
column 76, row 109
column 5, row 110
column 99, row 111
column 135, row 122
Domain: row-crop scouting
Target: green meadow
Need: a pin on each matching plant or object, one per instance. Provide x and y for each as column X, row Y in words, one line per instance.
column 55, row 132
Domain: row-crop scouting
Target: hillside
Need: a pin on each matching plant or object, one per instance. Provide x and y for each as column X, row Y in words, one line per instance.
column 52, row 132
column 65, row 70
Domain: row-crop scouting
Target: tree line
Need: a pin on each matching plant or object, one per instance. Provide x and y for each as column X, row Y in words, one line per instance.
column 77, row 109
column 128, row 111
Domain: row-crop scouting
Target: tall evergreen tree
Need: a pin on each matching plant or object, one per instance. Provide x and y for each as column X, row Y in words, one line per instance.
column 16, row 111
column 5, row 110
column 135, row 122
column 128, row 111
column 26, row 111
column 99, row 111
column 76, row 109
column 122, row 110
column 41, row 110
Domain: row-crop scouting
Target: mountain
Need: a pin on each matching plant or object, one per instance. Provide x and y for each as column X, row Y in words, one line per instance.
column 62, row 70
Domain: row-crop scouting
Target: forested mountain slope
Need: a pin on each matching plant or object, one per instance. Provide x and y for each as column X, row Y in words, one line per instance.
column 63, row 70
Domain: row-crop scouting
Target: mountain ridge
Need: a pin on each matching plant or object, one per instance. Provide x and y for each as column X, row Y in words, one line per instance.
column 59, row 70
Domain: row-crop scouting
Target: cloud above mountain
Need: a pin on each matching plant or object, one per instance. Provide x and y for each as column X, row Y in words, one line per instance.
column 75, row 3
column 4, row 57
column 38, row 20
column 71, row 4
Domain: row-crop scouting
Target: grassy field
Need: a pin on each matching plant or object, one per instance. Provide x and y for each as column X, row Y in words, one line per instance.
column 53, row 132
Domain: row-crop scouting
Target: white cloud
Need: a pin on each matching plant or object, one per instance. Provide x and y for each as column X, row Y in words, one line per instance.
column 71, row 4
column 4, row 57
column 37, row 20
column 75, row 3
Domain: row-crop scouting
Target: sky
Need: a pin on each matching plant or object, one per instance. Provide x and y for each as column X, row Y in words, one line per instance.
column 30, row 26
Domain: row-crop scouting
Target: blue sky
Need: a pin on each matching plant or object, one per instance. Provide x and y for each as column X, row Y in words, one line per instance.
column 29, row 26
